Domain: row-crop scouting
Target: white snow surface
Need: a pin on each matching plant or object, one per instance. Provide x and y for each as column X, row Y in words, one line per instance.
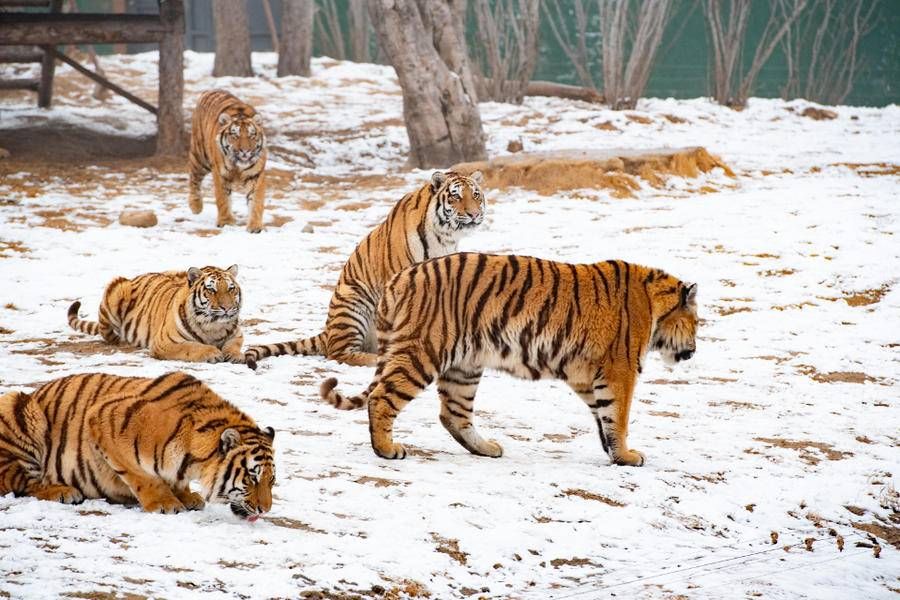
column 787, row 414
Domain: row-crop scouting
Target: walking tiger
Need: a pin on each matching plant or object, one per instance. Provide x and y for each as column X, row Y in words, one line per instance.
column 590, row 325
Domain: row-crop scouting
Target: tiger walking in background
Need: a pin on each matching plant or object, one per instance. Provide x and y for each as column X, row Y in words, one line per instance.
column 227, row 138
column 423, row 224
column 131, row 439
column 589, row 325
column 188, row 315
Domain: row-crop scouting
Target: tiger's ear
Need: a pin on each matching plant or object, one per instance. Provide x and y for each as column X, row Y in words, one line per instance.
column 437, row 180
column 229, row 439
column 269, row 433
column 232, row 270
column 257, row 118
column 689, row 295
column 193, row 275
column 224, row 119
column 477, row 176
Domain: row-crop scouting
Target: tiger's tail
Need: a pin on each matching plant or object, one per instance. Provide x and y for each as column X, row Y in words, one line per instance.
column 310, row 346
column 82, row 325
column 338, row 400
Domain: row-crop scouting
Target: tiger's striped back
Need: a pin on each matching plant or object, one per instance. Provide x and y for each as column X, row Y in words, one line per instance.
column 589, row 325
column 423, row 224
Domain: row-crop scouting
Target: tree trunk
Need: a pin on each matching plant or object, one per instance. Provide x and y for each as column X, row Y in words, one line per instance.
column 170, row 139
column 296, row 37
column 359, row 31
column 440, row 106
column 232, row 39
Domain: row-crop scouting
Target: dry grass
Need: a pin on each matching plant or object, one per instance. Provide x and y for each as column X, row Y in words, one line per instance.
column 870, row 169
column 836, row 376
column 866, row 297
column 450, row 547
column 592, row 496
column 818, row 114
column 616, row 170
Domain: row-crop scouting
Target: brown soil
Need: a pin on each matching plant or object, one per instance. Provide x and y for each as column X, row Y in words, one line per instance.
column 450, row 547
column 617, row 170
column 871, row 169
column 72, row 144
column 379, row 482
column 836, row 376
column 866, row 297
column 675, row 119
column 803, row 447
column 818, row 114
column 293, row 524
column 572, row 562
column 96, row 595
column 591, row 496
column 891, row 534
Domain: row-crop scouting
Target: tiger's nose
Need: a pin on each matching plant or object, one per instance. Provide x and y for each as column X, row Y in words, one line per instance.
column 684, row 355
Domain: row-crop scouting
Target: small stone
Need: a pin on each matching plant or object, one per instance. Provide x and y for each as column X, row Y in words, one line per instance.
column 138, row 218
column 809, row 543
column 4, row 153
column 308, row 228
column 774, row 536
column 515, row 145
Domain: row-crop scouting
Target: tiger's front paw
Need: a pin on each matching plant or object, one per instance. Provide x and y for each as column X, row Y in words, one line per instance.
column 165, row 506
column 210, row 355
column 237, row 359
column 492, row 449
column 224, row 220
column 395, row 451
column 630, row 458
column 191, row 500
column 196, row 204
column 60, row 493
column 255, row 227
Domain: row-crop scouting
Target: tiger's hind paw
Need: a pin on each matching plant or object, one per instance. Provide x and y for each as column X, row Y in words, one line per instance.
column 630, row 458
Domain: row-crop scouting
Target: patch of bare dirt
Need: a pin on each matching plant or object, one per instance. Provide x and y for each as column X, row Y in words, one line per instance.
column 836, row 376
column 606, row 126
column 8, row 247
column 380, row 481
column 731, row 310
column 592, row 496
column 675, row 119
column 871, row 169
column 292, row 524
column 889, row 533
column 572, row 562
column 818, row 114
column 450, row 547
column 98, row 595
column 665, row 413
column 804, row 446
column 86, row 348
column 866, row 297
column 616, row 170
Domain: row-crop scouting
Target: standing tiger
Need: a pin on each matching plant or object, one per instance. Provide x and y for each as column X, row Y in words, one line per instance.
column 423, row 224
column 131, row 439
column 227, row 138
column 178, row 315
column 590, row 325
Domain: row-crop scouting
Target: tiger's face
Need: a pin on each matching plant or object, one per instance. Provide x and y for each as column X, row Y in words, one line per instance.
column 241, row 138
column 459, row 201
column 215, row 293
column 245, row 474
column 675, row 335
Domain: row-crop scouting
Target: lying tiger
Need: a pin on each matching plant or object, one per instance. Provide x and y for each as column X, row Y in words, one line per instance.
column 227, row 139
column 423, row 224
column 589, row 325
column 178, row 315
column 130, row 439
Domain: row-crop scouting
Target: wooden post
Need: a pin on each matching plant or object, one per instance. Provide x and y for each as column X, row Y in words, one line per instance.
column 170, row 120
column 48, row 67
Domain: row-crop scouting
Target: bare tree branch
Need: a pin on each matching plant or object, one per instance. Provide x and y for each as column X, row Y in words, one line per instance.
column 506, row 53
column 575, row 49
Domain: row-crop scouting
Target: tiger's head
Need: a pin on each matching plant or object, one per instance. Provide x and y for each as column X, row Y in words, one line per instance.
column 243, row 471
column 459, row 203
column 676, row 325
column 241, row 136
column 215, row 293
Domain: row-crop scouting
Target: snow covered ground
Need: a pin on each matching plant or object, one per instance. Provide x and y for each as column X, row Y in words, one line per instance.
column 786, row 420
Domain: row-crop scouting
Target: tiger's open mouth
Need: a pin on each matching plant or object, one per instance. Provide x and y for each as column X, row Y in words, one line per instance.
column 243, row 511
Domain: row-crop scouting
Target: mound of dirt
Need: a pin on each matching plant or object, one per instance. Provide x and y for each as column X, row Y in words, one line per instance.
column 614, row 169
column 60, row 143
